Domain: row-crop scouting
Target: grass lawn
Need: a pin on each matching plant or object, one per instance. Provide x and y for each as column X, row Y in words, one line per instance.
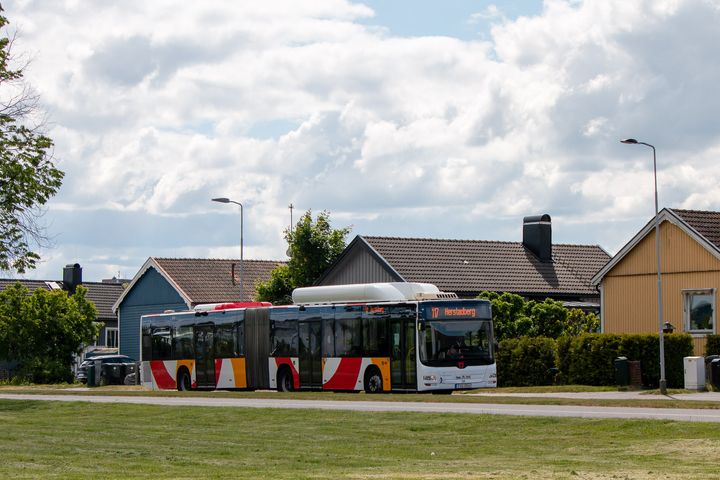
column 75, row 440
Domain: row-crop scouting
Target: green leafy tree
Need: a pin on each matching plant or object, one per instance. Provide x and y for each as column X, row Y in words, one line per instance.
column 514, row 317
column 313, row 247
column 28, row 177
column 44, row 330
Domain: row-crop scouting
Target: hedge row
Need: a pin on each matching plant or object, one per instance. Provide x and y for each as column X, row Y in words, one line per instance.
column 713, row 345
column 588, row 359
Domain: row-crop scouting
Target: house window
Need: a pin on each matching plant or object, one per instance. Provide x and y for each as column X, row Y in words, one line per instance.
column 111, row 337
column 699, row 311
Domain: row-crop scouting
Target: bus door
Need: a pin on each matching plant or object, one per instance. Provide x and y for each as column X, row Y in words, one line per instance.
column 204, row 356
column 310, row 359
column 402, row 353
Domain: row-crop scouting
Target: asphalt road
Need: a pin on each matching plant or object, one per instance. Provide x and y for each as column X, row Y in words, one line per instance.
column 679, row 414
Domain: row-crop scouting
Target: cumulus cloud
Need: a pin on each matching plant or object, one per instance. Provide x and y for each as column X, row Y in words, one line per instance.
column 155, row 109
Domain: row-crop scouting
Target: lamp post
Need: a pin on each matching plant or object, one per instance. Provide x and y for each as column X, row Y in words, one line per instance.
column 663, row 382
column 227, row 200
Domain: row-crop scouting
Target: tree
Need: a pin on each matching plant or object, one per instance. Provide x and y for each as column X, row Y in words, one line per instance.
column 313, row 247
column 513, row 317
column 28, row 177
column 44, row 330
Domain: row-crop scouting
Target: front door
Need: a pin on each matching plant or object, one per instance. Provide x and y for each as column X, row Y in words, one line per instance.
column 309, row 355
column 402, row 354
column 204, row 356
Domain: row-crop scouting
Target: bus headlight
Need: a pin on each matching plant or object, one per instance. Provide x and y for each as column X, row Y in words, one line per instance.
column 430, row 378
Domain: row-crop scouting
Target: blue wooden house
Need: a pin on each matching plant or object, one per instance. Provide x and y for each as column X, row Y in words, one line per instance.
column 180, row 284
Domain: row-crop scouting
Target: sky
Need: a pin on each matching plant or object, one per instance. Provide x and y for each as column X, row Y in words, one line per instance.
column 408, row 118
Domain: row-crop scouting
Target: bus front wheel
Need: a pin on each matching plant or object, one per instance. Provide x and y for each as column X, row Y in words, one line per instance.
column 285, row 380
column 183, row 381
column 373, row 381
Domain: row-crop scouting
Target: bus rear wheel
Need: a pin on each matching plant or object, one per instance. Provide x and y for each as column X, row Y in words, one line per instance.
column 285, row 380
column 373, row 381
column 183, row 381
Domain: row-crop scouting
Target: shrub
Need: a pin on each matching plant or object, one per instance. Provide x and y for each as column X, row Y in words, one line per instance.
column 589, row 359
column 713, row 345
column 526, row 361
column 514, row 317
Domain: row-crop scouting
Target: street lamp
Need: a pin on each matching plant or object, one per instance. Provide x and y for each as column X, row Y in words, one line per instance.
column 663, row 382
column 227, row 200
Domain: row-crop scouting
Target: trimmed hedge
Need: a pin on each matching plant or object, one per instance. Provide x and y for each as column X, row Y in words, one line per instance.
column 713, row 345
column 526, row 361
column 588, row 359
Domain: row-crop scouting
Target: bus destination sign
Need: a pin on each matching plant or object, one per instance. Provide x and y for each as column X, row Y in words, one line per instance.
column 433, row 312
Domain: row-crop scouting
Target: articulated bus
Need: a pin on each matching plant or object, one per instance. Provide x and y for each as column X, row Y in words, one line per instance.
column 374, row 337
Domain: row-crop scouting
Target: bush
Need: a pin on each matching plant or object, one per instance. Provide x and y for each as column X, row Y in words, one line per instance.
column 713, row 345
column 514, row 317
column 526, row 361
column 589, row 359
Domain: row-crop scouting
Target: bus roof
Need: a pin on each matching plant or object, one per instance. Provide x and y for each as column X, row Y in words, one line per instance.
column 368, row 292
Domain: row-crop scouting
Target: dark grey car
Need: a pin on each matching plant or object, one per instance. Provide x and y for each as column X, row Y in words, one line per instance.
column 81, row 375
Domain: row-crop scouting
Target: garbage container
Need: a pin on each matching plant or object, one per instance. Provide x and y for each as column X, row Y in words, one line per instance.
column 715, row 373
column 622, row 372
column 90, row 375
column 708, row 370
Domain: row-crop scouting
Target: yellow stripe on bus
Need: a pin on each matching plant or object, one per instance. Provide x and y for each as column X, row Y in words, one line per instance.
column 383, row 363
column 238, row 365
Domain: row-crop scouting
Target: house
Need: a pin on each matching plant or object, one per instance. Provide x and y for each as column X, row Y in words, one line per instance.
column 690, row 271
column 534, row 268
column 164, row 284
column 103, row 294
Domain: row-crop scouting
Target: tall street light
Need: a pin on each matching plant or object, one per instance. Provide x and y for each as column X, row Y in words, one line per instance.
column 663, row 382
column 227, row 200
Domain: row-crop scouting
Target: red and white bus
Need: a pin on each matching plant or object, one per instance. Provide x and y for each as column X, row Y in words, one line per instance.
column 374, row 337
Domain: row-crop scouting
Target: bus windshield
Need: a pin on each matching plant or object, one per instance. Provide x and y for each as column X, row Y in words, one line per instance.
column 449, row 342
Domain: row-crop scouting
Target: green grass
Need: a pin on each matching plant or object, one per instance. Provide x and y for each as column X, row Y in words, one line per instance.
column 76, row 440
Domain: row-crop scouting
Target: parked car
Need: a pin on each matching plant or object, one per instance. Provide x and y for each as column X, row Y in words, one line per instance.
column 81, row 375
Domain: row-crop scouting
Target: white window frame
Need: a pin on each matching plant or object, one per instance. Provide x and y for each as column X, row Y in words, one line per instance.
column 687, row 293
column 107, row 335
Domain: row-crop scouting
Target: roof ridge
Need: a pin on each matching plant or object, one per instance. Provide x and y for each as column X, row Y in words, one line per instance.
column 693, row 210
column 478, row 241
column 245, row 260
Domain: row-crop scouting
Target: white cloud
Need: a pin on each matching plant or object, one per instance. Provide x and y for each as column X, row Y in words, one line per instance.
column 156, row 109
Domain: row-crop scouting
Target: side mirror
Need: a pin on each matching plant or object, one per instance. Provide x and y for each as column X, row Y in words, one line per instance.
column 421, row 326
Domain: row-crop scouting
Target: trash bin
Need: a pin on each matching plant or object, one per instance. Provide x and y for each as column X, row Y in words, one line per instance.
column 90, row 375
column 622, row 372
column 634, row 374
column 708, row 370
column 715, row 373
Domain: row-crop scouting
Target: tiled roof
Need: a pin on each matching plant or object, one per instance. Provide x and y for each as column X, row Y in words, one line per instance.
column 705, row 223
column 212, row 280
column 103, row 295
column 477, row 265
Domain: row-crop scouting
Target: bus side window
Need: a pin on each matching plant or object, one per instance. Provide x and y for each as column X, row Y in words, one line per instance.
column 183, row 342
column 328, row 338
column 240, row 342
column 348, row 332
column 161, row 343
column 374, row 336
column 147, row 342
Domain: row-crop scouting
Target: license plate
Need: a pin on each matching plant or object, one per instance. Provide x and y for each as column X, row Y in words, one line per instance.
column 463, row 385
